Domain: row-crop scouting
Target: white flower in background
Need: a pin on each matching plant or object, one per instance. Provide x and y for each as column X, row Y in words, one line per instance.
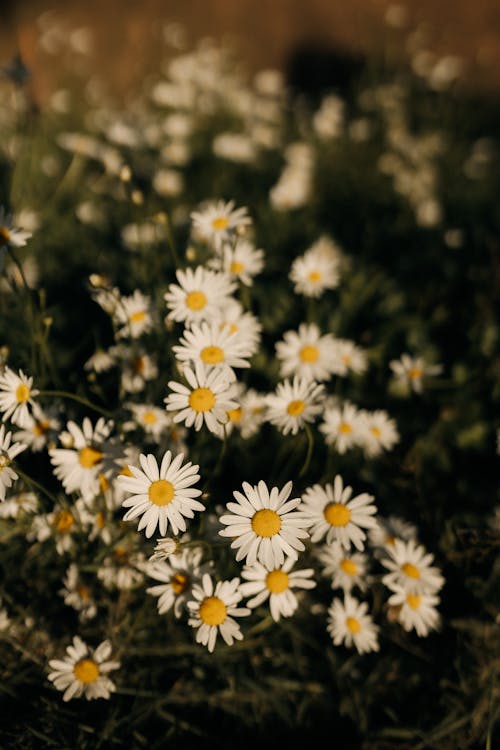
column 236, row 147
column 84, row 671
column 379, row 432
column 162, row 496
column 306, row 353
column 344, row 568
column 133, row 315
column 412, row 371
column 213, row 609
column 292, row 190
column 231, row 315
column 242, row 261
column 77, row 594
column 348, row 357
column 211, row 345
column 122, row 569
column 331, row 513
column 207, row 400
column 17, row 505
column 198, row 295
column 342, row 426
column 37, row 430
column 416, row 611
column 4, row 618
column 9, row 233
column 252, row 412
column 265, row 525
column 137, row 368
column 135, row 236
column 168, row 183
column 387, row 530
column 275, row 586
column 328, row 120
column 152, row 419
column 219, row 221
column 318, row 269
column 177, row 576
column 295, row 403
column 350, row 624
column 410, row 568
column 16, row 396
column 8, row 451
column 100, row 361
column 60, row 525
column 96, row 522
column 164, row 547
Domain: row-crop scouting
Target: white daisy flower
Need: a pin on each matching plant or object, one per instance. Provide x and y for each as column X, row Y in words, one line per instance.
column 265, row 524
column 333, row 514
column 348, row 357
column 207, row 398
column 60, row 525
column 37, row 429
column 412, row 371
column 164, row 547
column 198, row 295
column 213, row 609
column 9, row 233
column 163, row 495
column 219, row 221
column 16, row 395
column 231, row 315
column 153, row 420
column 344, row 568
column 317, row 270
column 137, row 368
column 77, row 594
column 306, row 353
column 252, row 414
column 16, row 505
column 178, row 575
column 122, row 569
column 8, row 451
column 100, row 361
column 379, row 432
column 416, row 611
column 95, row 522
column 388, row 530
column 133, row 315
column 342, row 426
column 275, row 586
column 350, row 624
column 410, row 568
column 84, row 671
column 295, row 403
column 213, row 346
column 243, row 261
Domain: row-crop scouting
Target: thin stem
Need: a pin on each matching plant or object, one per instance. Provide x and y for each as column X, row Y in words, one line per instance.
column 80, row 400
column 19, row 267
column 34, row 483
column 310, row 445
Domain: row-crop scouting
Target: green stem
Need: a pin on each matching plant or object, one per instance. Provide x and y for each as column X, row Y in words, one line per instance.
column 19, row 268
column 80, row 400
column 310, row 445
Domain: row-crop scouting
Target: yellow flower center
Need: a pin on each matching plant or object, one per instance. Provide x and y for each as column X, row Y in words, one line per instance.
column 125, row 472
column 138, row 365
column 413, row 600
column 86, row 670
column 4, row 462
column 83, row 592
column 196, row 300
column 213, row 610
column 137, row 317
column 410, row 570
column 40, row 428
column 337, row 514
column 212, row 355
column 346, row 359
column 220, row 223
column 179, row 583
column 88, row 457
column 121, row 555
column 415, row 373
column 266, row 522
column 375, row 432
column 349, row 567
column 295, row 408
column 391, row 540
column 277, row 581
column 103, row 483
column 235, row 414
column 314, row 276
column 22, row 393
column 353, row 625
column 100, row 520
column 63, row 521
column 236, row 267
column 201, row 399
column 4, row 236
column 161, row 492
column 149, row 417
column 345, row 428
column 309, row 353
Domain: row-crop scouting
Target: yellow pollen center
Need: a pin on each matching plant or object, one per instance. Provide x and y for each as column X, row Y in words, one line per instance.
column 314, row 276
column 137, row 317
column 309, row 354
column 220, row 223
column 22, row 393
column 88, row 457
column 415, row 372
column 201, row 399
column 4, row 236
column 4, row 462
column 138, row 365
column 100, row 521
column 413, row 600
column 346, row 359
column 125, row 472
column 40, row 428
column 410, row 570
column 149, row 417
column 349, row 567
column 295, row 408
column 212, row 355
column 266, row 522
column 196, row 300
column 103, row 483
column 277, row 581
column 86, row 671
column 63, row 521
column 345, row 428
column 236, row 267
column 83, row 592
column 391, row 540
column 375, row 432
column 235, row 414
column 213, row 610
column 121, row 555
column 179, row 583
column 337, row 514
column 353, row 625
column 161, row 492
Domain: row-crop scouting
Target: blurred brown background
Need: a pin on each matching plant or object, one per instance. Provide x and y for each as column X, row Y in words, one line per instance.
column 268, row 32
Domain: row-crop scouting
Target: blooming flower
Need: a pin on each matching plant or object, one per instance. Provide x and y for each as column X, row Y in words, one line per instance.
column 9, row 233
column 378, row 432
column 153, row 420
column 416, row 611
column 177, row 576
column 243, row 261
column 198, row 295
column 412, row 371
column 37, row 429
column 348, row 357
column 342, row 426
column 306, row 353
column 218, row 221
column 214, row 346
column 84, row 671
column 8, row 452
column 410, row 568
column 294, row 404
column 213, row 609
column 133, row 315
column 276, row 586
column 77, row 594
column 16, row 393
column 317, row 269
column 350, row 624
column 345, row 569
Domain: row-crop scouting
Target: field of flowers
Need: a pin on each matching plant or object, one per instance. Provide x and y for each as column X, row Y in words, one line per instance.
column 249, row 392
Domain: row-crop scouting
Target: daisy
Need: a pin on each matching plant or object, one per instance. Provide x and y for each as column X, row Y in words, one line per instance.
column 213, row 346
column 153, row 420
column 37, row 430
column 334, row 515
column 252, row 412
column 243, row 261
column 416, row 611
column 95, row 522
column 213, row 609
column 100, row 361
column 306, row 353
column 412, row 371
column 16, row 395
column 410, row 568
column 275, row 586
column 137, row 368
column 344, row 568
column 348, row 358
column 388, row 530
column 122, row 569
column 78, row 595
column 84, row 671
column 24, row 502
column 342, row 426
column 60, row 525
column 265, row 525
column 161, row 495
column 294, row 404
column 165, row 547
column 350, row 624
column 379, row 432
column 133, row 316
column 8, row 452
column 232, row 316
column 177, row 575
column 317, row 269
column 198, row 295
column 206, row 399
column 10, row 234
column 219, row 221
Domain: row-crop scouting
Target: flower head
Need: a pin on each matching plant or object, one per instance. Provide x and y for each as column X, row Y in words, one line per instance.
column 198, row 295
column 84, row 671
column 294, row 404
column 16, row 395
column 213, row 609
column 350, row 624
column 275, row 586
